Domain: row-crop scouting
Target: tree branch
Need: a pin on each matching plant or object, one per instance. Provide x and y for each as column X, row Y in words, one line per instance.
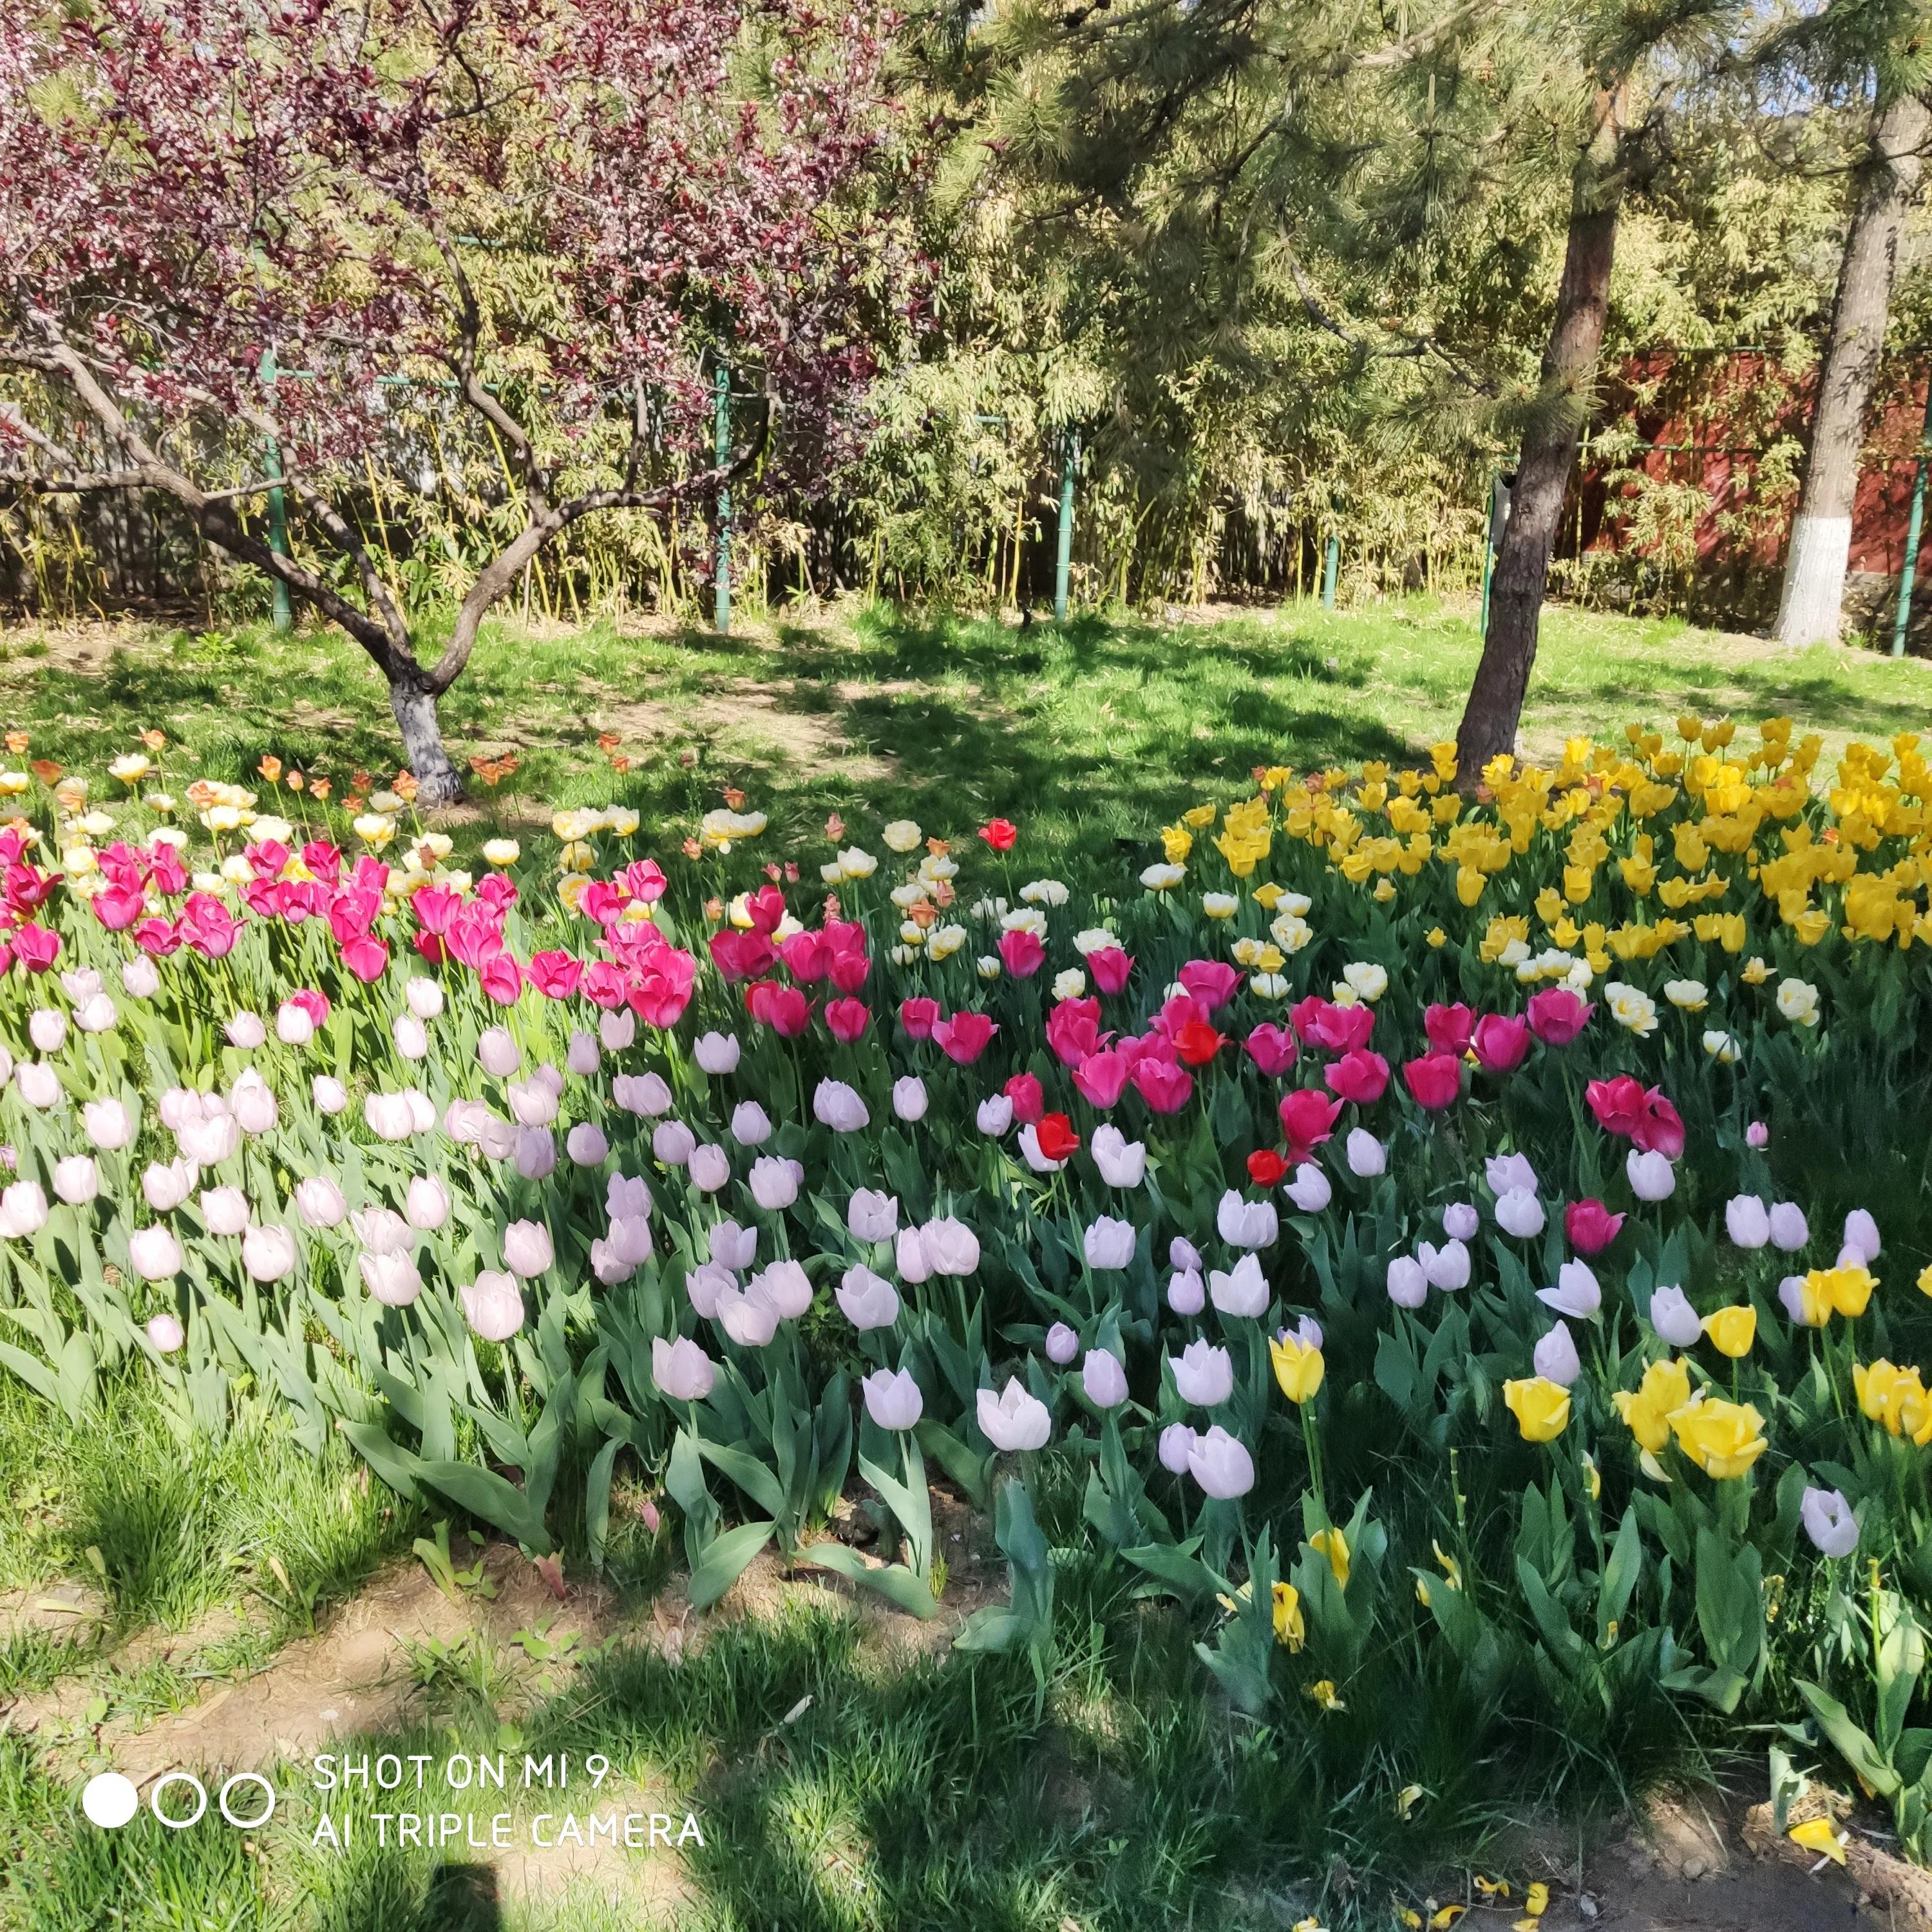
column 496, row 576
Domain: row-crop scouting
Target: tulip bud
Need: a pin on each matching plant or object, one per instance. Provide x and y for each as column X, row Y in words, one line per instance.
column 717, row 1052
column 493, row 1305
column 498, row 1052
column 225, row 1209
column 527, row 1248
column 427, row 1206
column 892, row 1400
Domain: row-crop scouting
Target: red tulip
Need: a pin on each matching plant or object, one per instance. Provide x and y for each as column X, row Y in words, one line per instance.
column 1359, row 1076
column 1022, row 952
column 1101, row 1078
column 1308, row 1119
column 1210, row 981
column 1000, row 834
column 741, row 955
column 1197, row 1043
column 501, row 977
column 555, row 973
column 1591, row 1226
column 1266, row 1168
column 1435, row 1079
column 1640, row 1115
column 366, row 957
column 964, row 1037
column 1271, row 1049
column 1057, row 1140
column 1166, row 1088
column 846, row 1019
column 1073, row 1030
column 1501, row 1041
column 1029, row 1101
column 1557, row 1016
column 784, row 1009
column 1333, row 1028
column 765, row 908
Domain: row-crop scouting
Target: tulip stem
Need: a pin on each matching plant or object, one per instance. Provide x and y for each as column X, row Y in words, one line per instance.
column 1312, row 1440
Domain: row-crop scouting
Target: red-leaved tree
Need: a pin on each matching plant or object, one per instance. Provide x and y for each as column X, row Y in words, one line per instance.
column 340, row 230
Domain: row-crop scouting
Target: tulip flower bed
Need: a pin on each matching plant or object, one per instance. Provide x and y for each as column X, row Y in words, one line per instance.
column 1455, row 1249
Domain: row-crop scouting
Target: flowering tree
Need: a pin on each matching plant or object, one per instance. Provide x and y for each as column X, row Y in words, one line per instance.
column 247, row 246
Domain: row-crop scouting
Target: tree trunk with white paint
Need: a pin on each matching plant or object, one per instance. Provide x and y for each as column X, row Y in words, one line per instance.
column 1812, row 606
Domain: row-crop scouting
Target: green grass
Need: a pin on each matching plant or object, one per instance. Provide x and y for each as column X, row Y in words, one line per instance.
column 1086, row 734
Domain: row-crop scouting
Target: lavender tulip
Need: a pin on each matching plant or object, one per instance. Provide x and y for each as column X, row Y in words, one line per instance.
column 1177, row 1445
column 1673, row 1318
column 717, row 1052
column 225, row 1209
column 154, row 1254
column 1220, row 1463
column 1203, row 1373
column 1555, row 1357
column 751, row 1125
column 1829, row 1521
column 1310, row 1189
column 892, row 1399
column 1243, row 1290
column 320, row 1202
column 682, row 1370
column 838, row 1106
column 1013, row 1420
column 1186, row 1292
column 76, row 1180
column 866, row 1300
column 527, row 1253
column 1408, row 1282
column 871, row 1216
column 1104, row 1377
column 493, row 1305
column 1108, row 1244
column 268, row 1252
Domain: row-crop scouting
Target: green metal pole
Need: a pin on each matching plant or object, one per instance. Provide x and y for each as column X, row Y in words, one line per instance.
column 722, row 616
column 1063, row 560
column 1330, row 562
column 278, row 508
column 1915, row 524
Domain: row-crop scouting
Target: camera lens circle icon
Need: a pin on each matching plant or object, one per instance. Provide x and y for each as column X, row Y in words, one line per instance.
column 110, row 1800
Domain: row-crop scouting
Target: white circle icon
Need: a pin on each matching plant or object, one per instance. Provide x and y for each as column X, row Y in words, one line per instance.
column 110, row 1800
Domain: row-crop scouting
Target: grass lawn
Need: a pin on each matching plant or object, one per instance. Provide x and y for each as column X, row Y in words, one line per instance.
column 844, row 1783
column 1086, row 734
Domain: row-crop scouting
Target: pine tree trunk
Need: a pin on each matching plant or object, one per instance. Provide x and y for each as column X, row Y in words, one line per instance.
column 1521, row 573
column 438, row 781
column 1812, row 606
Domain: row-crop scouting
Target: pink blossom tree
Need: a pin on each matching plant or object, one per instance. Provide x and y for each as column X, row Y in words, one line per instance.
column 331, row 230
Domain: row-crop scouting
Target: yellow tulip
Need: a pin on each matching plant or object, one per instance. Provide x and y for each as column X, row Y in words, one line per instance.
column 1665, row 1387
column 1298, row 1367
column 1925, row 1279
column 1290, row 1626
column 1840, row 1291
column 1723, row 1438
column 1733, row 1331
column 1333, row 1545
column 1896, row 1397
column 1541, row 1407
column 1323, row 1694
